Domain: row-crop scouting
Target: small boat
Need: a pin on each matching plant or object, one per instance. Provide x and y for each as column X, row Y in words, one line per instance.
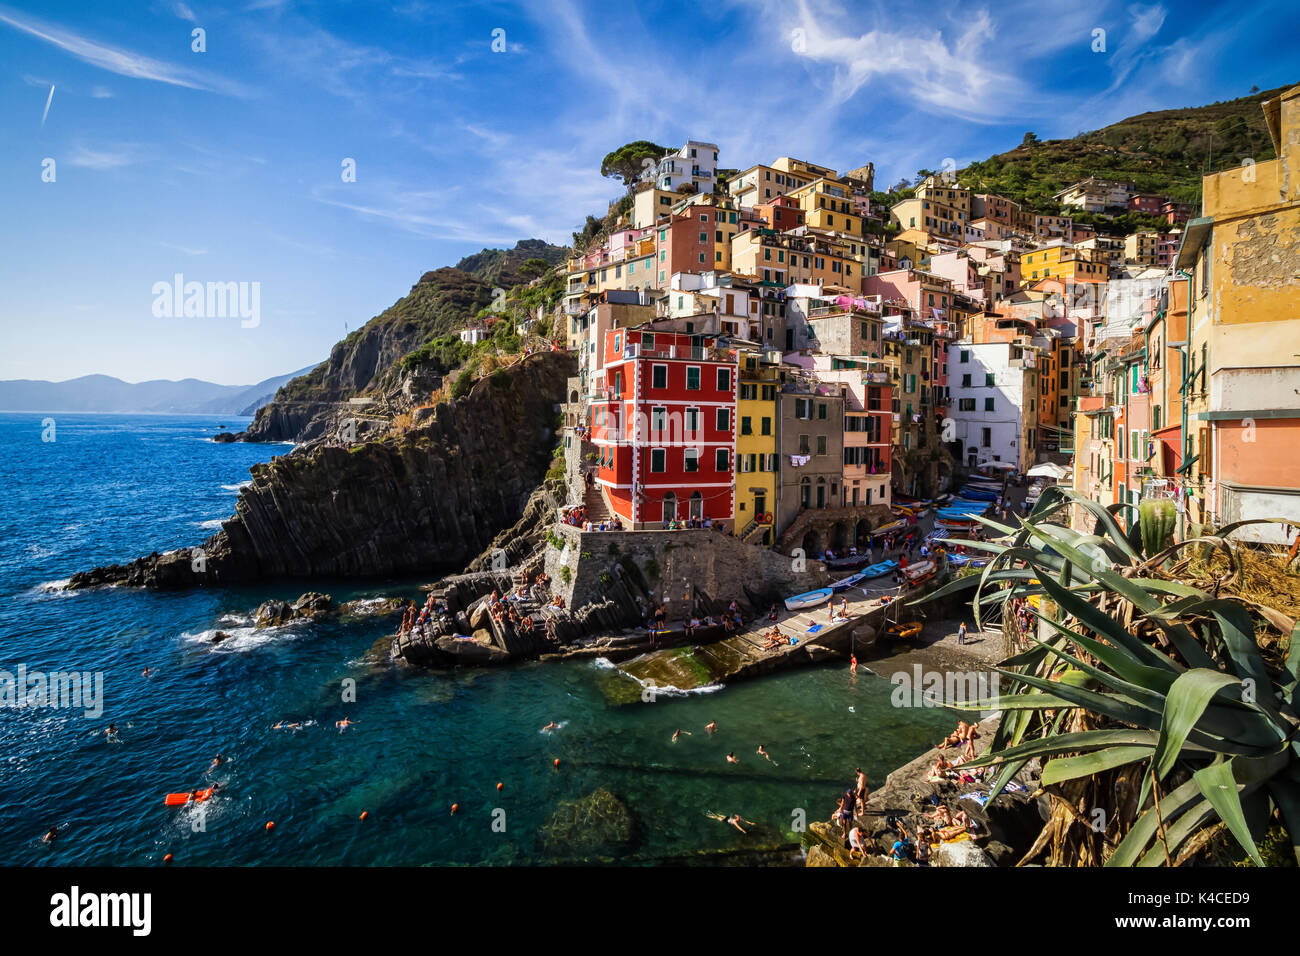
column 903, row 632
column 848, row 582
column 879, row 568
column 891, row 526
column 808, row 599
column 849, row 562
column 917, row 573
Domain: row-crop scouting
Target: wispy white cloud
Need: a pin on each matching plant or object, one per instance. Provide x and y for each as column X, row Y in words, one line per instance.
column 118, row 60
column 188, row 250
column 48, row 101
column 183, row 11
column 102, row 158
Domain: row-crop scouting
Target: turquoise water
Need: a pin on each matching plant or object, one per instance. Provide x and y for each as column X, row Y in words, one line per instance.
column 111, row 488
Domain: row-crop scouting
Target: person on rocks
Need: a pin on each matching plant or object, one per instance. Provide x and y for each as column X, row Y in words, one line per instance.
column 771, row 615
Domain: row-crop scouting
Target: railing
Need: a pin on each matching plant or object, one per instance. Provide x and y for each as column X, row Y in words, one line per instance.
column 696, row 353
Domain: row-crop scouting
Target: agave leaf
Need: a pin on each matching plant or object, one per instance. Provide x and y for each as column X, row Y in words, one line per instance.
column 1113, row 580
column 1292, row 666
column 1286, row 794
column 1106, row 626
column 1239, row 636
column 1186, row 702
column 1144, row 828
column 1220, row 788
column 1188, row 824
column 1156, row 679
column 1084, row 765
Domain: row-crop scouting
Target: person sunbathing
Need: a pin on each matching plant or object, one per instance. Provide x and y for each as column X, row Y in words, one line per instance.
column 954, row 738
column 941, row 815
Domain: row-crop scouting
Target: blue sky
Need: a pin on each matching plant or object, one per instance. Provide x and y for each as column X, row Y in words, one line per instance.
column 225, row 165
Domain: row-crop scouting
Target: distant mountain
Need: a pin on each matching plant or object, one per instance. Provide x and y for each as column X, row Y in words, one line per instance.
column 1165, row 152
column 103, row 393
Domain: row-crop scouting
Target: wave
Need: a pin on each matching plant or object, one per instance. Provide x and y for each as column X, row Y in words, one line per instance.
column 240, row 638
column 212, row 525
column 239, row 487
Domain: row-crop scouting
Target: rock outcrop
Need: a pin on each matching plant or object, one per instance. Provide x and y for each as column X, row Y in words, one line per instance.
column 429, row 499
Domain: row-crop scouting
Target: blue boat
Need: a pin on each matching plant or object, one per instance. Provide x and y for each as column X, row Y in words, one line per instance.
column 879, row 568
column 848, row 582
column 808, row 599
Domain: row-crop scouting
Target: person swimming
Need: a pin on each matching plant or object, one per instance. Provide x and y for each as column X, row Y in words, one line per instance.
column 146, row 672
column 731, row 758
column 281, row 725
column 678, row 732
column 217, row 761
column 343, row 724
column 110, row 732
column 551, row 726
column 711, row 726
column 51, row 834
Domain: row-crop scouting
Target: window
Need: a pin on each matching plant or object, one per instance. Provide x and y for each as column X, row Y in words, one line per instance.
column 965, row 381
column 658, row 375
column 658, row 459
column 988, row 404
column 803, row 445
column 821, row 444
column 821, row 410
column 986, row 437
column 766, row 426
column 965, row 404
column 693, row 377
column 724, row 380
column 724, row 419
column 658, row 419
column 988, row 380
column 722, row 460
column 745, row 428
column 692, row 420
column 691, row 459
column 965, row 355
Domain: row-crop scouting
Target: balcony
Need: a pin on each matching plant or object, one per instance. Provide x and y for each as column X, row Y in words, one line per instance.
column 694, row 353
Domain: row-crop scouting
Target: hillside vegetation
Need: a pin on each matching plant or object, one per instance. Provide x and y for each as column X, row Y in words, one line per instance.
column 1164, row 152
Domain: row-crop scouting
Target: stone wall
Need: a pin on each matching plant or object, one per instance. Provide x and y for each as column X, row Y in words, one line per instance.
column 677, row 567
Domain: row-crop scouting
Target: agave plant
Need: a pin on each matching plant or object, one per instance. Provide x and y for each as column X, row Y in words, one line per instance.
column 1157, row 718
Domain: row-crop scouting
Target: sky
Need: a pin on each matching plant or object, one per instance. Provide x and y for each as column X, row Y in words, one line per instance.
column 328, row 154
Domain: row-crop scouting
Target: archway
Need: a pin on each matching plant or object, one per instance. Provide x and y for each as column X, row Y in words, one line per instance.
column 697, row 505
column 840, row 536
column 812, row 544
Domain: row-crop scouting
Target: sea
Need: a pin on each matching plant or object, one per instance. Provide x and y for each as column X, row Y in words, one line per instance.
column 436, row 768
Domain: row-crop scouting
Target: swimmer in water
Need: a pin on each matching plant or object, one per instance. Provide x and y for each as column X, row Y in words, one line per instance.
column 281, row 725
column 551, row 726
column 51, row 835
column 111, row 731
column 343, row 724
column 711, row 726
column 731, row 758
column 677, row 733
column 736, row 820
column 217, row 761
column 764, row 753
column 146, row 672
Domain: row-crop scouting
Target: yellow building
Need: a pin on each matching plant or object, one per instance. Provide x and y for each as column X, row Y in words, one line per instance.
column 828, row 205
column 1242, row 260
column 1061, row 260
column 785, row 258
column 756, row 447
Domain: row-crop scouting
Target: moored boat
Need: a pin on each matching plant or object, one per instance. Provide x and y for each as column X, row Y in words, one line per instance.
column 808, row 599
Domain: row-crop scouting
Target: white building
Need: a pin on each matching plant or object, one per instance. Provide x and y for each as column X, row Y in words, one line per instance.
column 695, row 163
column 473, row 336
column 994, row 403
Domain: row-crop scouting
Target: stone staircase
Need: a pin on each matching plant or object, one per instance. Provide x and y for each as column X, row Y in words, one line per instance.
column 593, row 499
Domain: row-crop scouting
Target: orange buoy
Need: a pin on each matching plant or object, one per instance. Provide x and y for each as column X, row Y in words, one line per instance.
column 270, row 825
column 501, row 786
column 455, row 807
column 364, row 814
column 167, row 858
column 557, row 761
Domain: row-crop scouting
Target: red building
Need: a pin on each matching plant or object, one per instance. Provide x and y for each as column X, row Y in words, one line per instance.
column 689, row 241
column 665, row 428
column 1176, row 212
column 1146, row 202
column 781, row 213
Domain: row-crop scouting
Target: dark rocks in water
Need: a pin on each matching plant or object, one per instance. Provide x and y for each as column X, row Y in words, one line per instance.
column 430, row 498
column 224, row 438
column 380, row 607
column 313, row 604
column 597, row 822
column 273, row 614
column 220, row 636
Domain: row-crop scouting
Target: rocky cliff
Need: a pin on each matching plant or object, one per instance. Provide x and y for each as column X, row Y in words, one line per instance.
column 423, row 501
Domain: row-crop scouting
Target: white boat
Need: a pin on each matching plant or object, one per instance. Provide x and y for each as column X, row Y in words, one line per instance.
column 808, row 599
